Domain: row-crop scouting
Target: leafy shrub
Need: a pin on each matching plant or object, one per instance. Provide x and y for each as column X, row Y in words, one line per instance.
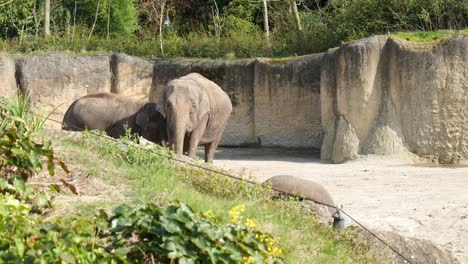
column 175, row 232
column 359, row 18
column 142, row 234
column 123, row 16
column 20, row 155
column 25, row 238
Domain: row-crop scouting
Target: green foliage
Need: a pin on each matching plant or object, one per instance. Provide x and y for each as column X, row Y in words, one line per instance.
column 20, row 155
column 162, row 233
column 124, row 17
column 215, row 29
column 177, row 232
column 16, row 17
column 359, row 18
column 427, row 36
column 249, row 11
column 120, row 15
column 38, row 200
column 25, row 238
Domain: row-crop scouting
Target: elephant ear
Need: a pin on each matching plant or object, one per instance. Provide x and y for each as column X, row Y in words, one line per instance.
column 142, row 118
column 204, row 107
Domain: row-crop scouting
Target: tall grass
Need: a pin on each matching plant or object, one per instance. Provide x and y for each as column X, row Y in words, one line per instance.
column 16, row 109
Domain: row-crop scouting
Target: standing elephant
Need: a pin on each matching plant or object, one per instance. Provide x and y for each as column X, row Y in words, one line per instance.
column 112, row 113
column 196, row 111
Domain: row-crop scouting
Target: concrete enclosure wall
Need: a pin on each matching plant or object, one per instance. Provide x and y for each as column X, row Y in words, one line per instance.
column 373, row 96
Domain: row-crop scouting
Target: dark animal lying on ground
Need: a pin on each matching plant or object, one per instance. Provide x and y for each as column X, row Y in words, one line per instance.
column 113, row 114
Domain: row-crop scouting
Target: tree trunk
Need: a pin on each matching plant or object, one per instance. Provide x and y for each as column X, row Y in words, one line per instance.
column 161, row 20
column 300, row 32
column 47, row 19
column 266, row 27
column 95, row 20
column 108, row 20
column 74, row 22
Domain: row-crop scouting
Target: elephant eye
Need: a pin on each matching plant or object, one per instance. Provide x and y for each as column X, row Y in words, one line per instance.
column 194, row 106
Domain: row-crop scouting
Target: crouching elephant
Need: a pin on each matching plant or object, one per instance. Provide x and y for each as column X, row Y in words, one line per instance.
column 112, row 113
column 196, row 111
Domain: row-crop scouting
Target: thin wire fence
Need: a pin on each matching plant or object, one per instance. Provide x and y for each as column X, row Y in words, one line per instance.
column 236, row 177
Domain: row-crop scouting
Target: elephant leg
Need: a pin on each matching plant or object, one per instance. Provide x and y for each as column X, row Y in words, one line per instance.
column 195, row 137
column 210, row 148
column 186, row 145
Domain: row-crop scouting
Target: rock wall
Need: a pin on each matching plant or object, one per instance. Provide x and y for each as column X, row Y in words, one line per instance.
column 131, row 76
column 388, row 97
column 7, row 76
column 287, row 102
column 275, row 102
column 374, row 96
column 55, row 81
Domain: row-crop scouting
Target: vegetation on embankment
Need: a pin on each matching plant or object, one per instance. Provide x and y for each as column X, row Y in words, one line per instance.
column 148, row 177
column 218, row 29
column 171, row 212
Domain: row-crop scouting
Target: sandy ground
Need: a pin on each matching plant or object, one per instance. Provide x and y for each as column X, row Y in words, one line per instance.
column 417, row 201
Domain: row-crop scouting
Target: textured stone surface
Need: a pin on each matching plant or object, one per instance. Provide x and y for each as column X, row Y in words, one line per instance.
column 398, row 97
column 7, row 76
column 287, row 102
column 55, row 81
column 131, row 76
column 416, row 250
column 234, row 77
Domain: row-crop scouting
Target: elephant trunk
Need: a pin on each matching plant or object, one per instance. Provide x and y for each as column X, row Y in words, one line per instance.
column 176, row 132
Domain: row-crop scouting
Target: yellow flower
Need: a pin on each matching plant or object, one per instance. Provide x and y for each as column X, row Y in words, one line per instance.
column 248, row 260
column 208, row 214
column 236, row 212
column 250, row 223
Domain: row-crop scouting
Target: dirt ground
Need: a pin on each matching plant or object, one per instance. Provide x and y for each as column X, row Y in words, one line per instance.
column 426, row 202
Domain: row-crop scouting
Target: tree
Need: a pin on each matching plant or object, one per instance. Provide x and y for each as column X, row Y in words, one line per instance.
column 109, row 17
column 300, row 31
column 47, row 19
column 266, row 28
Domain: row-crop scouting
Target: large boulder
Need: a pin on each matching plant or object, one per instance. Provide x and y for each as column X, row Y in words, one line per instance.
column 55, row 81
column 415, row 250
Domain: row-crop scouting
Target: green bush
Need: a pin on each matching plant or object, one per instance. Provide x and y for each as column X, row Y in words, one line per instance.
column 355, row 19
column 123, row 16
column 132, row 234
column 20, row 155
column 177, row 232
column 26, row 238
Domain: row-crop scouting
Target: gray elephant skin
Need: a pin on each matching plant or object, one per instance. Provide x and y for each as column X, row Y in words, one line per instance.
column 196, row 111
column 309, row 190
column 112, row 113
